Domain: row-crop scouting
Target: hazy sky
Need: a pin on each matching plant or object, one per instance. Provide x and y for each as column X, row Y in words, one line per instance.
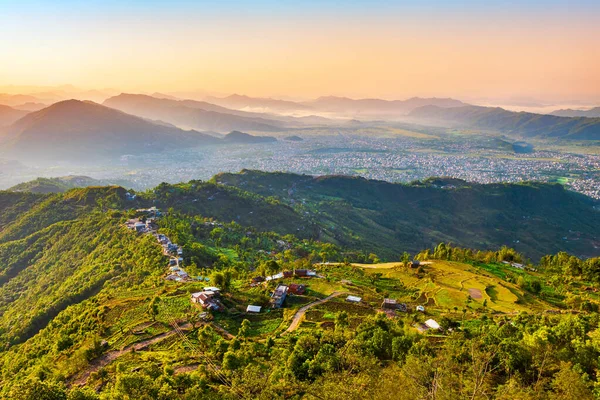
column 467, row 49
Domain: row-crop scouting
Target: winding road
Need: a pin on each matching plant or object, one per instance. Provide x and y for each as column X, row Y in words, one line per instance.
column 300, row 313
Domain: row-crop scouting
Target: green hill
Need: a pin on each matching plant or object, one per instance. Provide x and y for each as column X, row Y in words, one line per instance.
column 55, row 185
column 86, row 310
column 389, row 218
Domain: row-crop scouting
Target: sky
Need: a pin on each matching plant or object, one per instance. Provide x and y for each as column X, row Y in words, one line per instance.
column 545, row 51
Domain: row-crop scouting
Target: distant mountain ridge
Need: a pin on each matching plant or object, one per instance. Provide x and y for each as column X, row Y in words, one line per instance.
column 379, row 107
column 78, row 130
column 239, row 102
column 591, row 113
column 190, row 113
column 8, row 115
column 510, row 122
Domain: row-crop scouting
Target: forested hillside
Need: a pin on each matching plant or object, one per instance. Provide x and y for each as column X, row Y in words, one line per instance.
column 384, row 217
column 95, row 305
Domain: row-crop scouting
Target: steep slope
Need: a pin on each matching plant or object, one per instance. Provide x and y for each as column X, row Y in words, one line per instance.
column 517, row 123
column 535, row 218
column 8, row 115
column 190, row 113
column 591, row 113
column 76, row 130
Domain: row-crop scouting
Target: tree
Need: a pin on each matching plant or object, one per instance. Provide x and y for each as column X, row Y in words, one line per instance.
column 569, row 385
column 341, row 320
column 244, row 329
column 405, row 259
column 153, row 308
column 373, row 258
column 34, row 389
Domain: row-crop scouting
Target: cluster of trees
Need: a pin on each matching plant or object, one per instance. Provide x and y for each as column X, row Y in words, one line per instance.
column 570, row 267
column 445, row 251
column 522, row 357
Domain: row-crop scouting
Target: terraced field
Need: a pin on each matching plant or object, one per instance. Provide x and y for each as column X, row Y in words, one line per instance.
column 445, row 284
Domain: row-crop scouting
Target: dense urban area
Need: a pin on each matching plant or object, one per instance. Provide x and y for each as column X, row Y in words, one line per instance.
column 394, row 157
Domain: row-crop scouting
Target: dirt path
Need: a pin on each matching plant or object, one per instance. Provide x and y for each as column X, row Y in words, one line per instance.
column 109, row 357
column 296, row 320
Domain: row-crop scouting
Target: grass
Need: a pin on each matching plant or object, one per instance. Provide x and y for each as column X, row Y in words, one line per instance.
column 446, row 284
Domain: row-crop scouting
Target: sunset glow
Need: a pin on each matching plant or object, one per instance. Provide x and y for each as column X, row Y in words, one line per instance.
column 273, row 49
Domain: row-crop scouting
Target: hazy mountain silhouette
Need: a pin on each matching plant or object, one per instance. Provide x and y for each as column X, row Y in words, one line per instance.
column 378, row 107
column 190, row 113
column 78, row 130
column 245, row 138
column 256, row 103
column 8, row 115
column 518, row 123
column 591, row 113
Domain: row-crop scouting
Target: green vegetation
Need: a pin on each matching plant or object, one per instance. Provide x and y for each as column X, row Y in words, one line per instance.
column 388, row 218
column 86, row 311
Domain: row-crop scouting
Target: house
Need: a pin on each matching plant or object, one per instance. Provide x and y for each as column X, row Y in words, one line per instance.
column 390, row 304
column 179, row 251
column 258, row 279
column 139, row 227
column 301, row 272
column 171, row 277
column 182, row 274
column 353, row 299
column 431, row 324
column 296, row 288
column 287, row 274
column 253, row 309
column 172, row 262
column 207, row 299
column 172, row 247
column 273, row 277
column 311, row 273
column 278, row 296
column 213, row 289
column 420, row 308
column 415, row 264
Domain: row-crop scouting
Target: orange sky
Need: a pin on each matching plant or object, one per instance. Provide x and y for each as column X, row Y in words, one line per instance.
column 390, row 53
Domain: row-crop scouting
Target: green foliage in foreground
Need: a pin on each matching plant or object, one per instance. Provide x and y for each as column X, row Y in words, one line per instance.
column 85, row 312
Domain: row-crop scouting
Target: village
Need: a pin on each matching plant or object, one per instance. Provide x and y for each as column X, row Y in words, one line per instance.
column 209, row 300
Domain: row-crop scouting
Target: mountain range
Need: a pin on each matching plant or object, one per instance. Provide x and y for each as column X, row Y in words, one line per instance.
column 509, row 122
column 78, row 130
column 268, row 105
column 191, row 114
column 378, row 107
column 591, row 113
column 8, row 115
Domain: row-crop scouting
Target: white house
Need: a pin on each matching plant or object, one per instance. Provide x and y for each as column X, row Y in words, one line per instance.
column 253, row 309
column 431, row 324
column 353, row 299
